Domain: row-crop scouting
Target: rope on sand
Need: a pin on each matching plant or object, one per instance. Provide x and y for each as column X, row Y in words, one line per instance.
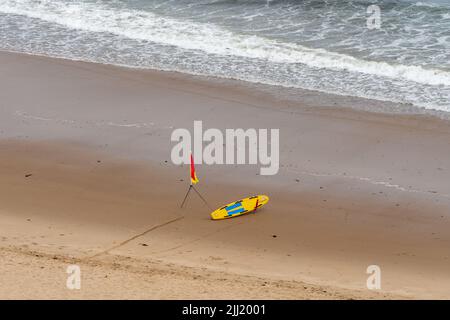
column 133, row 238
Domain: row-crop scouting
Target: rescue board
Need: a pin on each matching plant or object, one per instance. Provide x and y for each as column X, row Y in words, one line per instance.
column 240, row 207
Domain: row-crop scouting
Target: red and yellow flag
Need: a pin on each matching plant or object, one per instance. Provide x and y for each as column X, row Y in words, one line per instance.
column 194, row 179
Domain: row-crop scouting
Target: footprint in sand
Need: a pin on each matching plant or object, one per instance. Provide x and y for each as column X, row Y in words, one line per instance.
column 215, row 258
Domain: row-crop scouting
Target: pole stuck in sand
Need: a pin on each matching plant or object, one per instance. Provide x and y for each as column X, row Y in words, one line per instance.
column 194, row 180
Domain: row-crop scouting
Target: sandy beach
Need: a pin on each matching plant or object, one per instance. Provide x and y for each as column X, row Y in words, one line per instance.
column 86, row 178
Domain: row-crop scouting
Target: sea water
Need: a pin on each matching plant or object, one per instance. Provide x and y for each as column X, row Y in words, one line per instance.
column 321, row 45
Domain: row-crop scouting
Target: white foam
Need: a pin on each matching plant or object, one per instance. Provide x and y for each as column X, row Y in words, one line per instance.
column 425, row 4
column 211, row 39
column 139, row 125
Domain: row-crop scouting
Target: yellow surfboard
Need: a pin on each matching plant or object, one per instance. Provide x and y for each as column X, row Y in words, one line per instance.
column 240, row 207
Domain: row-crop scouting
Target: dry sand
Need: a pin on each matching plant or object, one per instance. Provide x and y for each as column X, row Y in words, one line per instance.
column 86, row 179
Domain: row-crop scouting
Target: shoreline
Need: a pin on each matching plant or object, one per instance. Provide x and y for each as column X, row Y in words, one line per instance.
column 372, row 188
column 335, row 102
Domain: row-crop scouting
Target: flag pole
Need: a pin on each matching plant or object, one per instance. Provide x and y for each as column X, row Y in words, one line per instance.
column 193, row 180
column 209, row 207
column 185, row 197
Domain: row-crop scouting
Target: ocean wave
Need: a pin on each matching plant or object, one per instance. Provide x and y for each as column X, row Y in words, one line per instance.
column 146, row 26
column 427, row 4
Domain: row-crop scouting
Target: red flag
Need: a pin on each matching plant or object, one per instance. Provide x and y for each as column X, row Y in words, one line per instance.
column 194, row 179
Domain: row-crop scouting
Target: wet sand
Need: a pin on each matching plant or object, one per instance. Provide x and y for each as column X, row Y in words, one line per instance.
column 86, row 178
